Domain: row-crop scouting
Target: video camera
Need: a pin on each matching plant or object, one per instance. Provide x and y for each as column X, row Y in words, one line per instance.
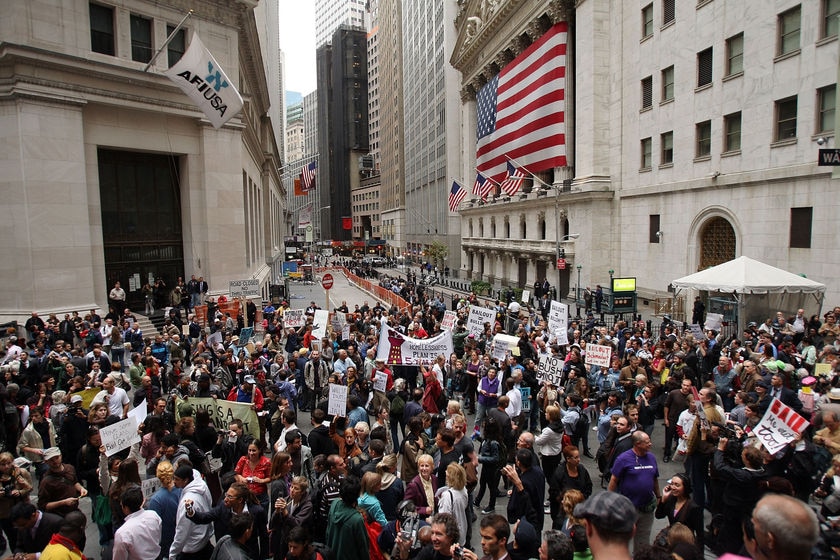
column 726, row 431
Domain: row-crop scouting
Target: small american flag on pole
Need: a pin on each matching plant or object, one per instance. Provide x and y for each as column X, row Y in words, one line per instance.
column 307, row 176
column 513, row 181
column 483, row 186
column 456, row 196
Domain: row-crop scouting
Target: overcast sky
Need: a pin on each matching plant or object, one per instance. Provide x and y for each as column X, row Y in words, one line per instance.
column 297, row 40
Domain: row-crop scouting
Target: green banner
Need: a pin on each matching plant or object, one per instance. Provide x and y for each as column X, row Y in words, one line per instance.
column 222, row 412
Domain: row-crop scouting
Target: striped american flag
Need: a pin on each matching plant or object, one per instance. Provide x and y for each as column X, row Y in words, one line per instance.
column 483, row 186
column 456, row 196
column 521, row 110
column 307, row 176
column 513, row 181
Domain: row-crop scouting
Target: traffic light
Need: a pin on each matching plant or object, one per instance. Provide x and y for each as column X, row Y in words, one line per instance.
column 561, row 253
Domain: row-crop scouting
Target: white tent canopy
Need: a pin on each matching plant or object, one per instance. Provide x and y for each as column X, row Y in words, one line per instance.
column 748, row 276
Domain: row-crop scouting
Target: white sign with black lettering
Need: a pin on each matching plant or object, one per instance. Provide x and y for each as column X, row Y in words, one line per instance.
column 337, row 404
column 558, row 321
column 380, row 382
column 550, row 369
column 119, row 436
column 250, row 287
column 477, row 317
column 320, row 322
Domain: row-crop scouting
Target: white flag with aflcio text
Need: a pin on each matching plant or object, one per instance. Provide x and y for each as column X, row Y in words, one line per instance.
column 203, row 80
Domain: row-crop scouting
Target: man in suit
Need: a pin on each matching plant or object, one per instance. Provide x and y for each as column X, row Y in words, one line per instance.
column 35, row 528
column 787, row 396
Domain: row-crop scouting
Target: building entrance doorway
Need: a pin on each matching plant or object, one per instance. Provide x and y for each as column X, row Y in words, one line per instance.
column 141, row 223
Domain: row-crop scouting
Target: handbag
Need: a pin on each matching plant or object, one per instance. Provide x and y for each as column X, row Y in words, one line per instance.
column 102, row 510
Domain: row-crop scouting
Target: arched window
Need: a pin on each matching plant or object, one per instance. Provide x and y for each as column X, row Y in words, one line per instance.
column 717, row 243
column 471, row 228
column 507, row 228
column 493, row 227
column 542, row 228
column 481, row 227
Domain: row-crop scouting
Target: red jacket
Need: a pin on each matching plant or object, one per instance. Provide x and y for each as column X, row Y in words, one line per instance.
column 431, row 392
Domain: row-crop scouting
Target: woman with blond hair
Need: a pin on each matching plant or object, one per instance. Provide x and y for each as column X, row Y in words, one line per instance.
column 550, row 440
column 164, row 502
column 371, row 484
column 453, row 499
column 423, row 488
column 570, row 499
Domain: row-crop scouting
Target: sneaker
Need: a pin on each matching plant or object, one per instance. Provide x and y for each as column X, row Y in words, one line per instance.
column 487, row 511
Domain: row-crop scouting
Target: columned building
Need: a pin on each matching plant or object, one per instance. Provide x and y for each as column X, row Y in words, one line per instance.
column 678, row 158
column 111, row 173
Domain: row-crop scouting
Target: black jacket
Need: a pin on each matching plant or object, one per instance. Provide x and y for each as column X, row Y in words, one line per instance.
column 221, row 515
column 320, row 442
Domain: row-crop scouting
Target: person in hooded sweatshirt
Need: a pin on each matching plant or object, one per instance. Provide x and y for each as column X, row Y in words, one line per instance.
column 320, row 442
column 192, row 542
column 346, row 529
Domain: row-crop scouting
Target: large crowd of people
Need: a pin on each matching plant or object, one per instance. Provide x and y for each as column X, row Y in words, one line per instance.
column 409, row 471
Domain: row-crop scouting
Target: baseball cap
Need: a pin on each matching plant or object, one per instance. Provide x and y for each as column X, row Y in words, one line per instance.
column 249, row 379
column 608, row 510
column 76, row 398
column 51, row 452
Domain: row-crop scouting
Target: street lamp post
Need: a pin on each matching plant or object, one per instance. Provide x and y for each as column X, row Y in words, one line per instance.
column 577, row 293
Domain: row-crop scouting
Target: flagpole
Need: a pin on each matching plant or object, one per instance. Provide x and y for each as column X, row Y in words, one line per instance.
column 488, row 178
column 168, row 40
column 543, row 183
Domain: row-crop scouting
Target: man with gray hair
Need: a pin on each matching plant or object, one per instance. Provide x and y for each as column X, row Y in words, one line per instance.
column 784, row 529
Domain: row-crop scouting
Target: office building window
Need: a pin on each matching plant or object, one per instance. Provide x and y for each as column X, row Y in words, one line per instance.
column 667, row 142
column 647, row 92
column 177, row 46
column 735, row 54
column 704, row 67
column 786, row 118
column 789, row 25
column 653, row 229
column 647, row 21
column 101, row 29
column 668, row 84
column 668, row 11
column 141, row 38
column 827, row 103
column 647, row 155
column 703, row 134
column 801, row 221
column 732, row 132
column 830, row 12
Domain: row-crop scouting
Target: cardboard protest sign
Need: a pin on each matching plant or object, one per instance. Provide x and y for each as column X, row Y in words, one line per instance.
column 779, row 426
column 294, row 318
column 558, row 321
column 150, row 486
column 598, row 355
column 139, row 413
column 119, row 436
column 320, row 322
column 502, row 344
column 550, row 369
column 713, row 321
column 477, row 317
column 380, row 381
column 449, row 320
column 337, row 404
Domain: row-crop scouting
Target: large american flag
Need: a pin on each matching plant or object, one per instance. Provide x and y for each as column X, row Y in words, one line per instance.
column 483, row 186
column 513, row 181
column 307, row 176
column 456, row 196
column 521, row 110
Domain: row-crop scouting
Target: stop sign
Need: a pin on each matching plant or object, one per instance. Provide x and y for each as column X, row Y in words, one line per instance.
column 327, row 281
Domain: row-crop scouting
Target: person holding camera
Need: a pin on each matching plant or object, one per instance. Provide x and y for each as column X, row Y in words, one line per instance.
column 15, row 486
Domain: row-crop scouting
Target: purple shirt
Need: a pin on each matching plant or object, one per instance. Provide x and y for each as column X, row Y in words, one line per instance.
column 491, row 387
column 636, row 476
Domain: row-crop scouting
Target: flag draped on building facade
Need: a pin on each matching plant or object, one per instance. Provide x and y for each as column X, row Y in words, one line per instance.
column 456, row 195
column 307, row 176
column 483, row 186
column 199, row 76
column 513, row 181
column 521, row 110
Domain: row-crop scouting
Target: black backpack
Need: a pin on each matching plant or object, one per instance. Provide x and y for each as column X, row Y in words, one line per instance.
column 582, row 424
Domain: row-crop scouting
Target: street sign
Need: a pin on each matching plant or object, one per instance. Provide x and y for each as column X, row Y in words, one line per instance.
column 561, row 264
column 327, row 281
column 245, row 288
column 829, row 157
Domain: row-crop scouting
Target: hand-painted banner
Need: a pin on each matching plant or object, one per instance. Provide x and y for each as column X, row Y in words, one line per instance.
column 337, row 403
column 294, row 318
column 477, row 317
column 398, row 349
column 222, row 412
column 779, row 426
column 119, row 436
